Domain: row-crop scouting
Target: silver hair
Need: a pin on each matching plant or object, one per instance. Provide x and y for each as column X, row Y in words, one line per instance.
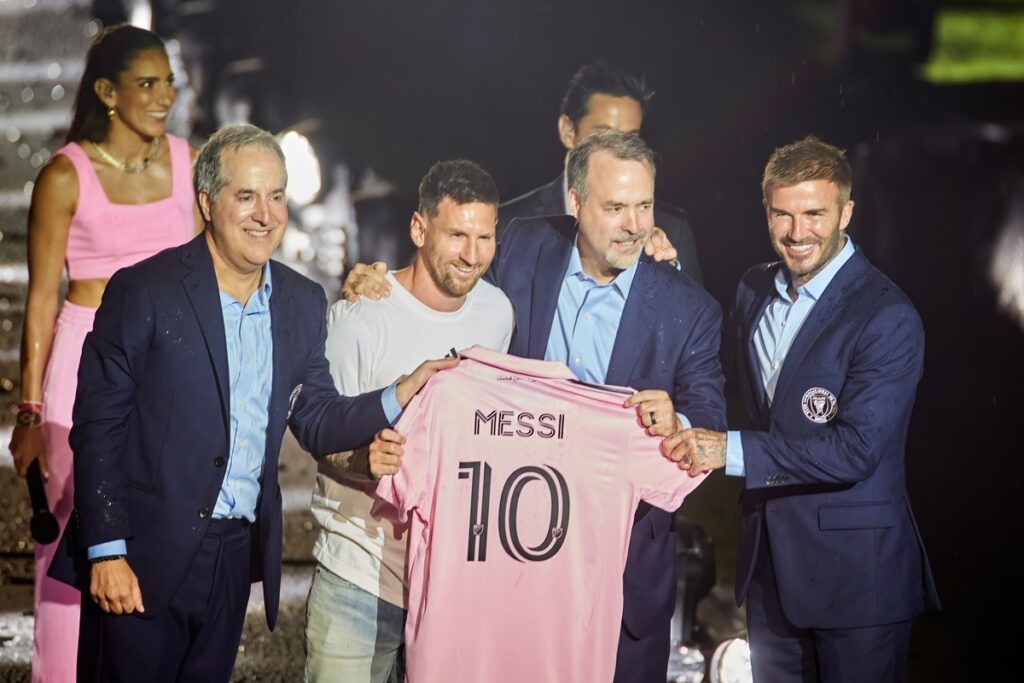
column 622, row 146
column 209, row 175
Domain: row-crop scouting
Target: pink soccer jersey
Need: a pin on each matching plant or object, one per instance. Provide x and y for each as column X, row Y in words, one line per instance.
column 522, row 487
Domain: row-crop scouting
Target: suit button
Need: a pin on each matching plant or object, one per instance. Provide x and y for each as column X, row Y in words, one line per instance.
column 218, row 462
column 204, row 513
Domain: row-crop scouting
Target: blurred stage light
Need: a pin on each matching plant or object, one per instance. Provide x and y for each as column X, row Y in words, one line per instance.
column 686, row 665
column 1006, row 269
column 731, row 662
column 141, row 14
column 303, row 168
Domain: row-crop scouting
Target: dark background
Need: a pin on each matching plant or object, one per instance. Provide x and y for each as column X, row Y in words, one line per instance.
column 394, row 86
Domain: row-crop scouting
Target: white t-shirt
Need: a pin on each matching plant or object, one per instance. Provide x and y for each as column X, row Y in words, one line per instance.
column 370, row 344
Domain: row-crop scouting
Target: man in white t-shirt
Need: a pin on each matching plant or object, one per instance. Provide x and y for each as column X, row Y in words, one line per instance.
column 356, row 609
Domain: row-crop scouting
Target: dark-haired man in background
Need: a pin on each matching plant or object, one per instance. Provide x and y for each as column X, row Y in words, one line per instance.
column 601, row 95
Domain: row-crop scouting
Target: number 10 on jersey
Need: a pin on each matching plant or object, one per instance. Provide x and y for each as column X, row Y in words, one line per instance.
column 479, row 475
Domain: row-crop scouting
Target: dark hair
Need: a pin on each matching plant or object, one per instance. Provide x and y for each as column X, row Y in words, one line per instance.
column 606, row 79
column 462, row 180
column 622, row 146
column 109, row 55
column 208, row 175
column 808, row 159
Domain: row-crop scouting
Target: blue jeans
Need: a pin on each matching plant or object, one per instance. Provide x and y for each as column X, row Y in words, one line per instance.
column 351, row 635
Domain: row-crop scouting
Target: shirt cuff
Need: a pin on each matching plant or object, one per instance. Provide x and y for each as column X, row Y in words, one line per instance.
column 118, row 547
column 389, row 402
column 685, row 422
column 734, row 466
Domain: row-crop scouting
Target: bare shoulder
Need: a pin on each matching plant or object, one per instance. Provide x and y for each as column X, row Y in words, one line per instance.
column 57, row 185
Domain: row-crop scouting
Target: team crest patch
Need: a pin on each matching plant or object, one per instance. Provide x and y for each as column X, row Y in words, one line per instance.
column 819, row 405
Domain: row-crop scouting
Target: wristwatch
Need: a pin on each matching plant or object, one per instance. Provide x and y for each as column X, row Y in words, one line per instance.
column 29, row 418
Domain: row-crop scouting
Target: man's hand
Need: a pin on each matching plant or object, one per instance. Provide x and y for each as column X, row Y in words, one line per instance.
column 366, row 280
column 655, row 411
column 696, row 450
column 410, row 384
column 113, row 586
column 658, row 247
column 386, row 453
column 27, row 445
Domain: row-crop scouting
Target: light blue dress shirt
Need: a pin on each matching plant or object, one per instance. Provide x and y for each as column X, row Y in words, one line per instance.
column 587, row 320
column 775, row 333
column 250, row 348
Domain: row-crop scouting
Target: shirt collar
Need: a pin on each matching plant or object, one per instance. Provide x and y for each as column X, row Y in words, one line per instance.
column 622, row 282
column 261, row 297
column 816, row 286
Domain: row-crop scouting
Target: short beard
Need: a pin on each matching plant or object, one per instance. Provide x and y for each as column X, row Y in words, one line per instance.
column 625, row 261
column 451, row 288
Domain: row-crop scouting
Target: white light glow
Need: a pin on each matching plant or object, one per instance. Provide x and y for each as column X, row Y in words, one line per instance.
column 141, row 15
column 1006, row 270
column 303, row 168
column 731, row 662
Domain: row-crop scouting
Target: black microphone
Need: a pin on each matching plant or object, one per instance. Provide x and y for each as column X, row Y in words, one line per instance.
column 44, row 525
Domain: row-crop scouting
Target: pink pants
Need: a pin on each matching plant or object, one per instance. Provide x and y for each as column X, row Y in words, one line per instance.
column 55, row 645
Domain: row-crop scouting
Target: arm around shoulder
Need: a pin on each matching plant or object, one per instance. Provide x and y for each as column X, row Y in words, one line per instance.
column 323, row 420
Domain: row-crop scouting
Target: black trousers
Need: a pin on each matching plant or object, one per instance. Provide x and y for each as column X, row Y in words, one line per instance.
column 643, row 660
column 783, row 653
column 194, row 639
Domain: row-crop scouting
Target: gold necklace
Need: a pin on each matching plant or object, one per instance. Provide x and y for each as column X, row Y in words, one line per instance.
column 154, row 149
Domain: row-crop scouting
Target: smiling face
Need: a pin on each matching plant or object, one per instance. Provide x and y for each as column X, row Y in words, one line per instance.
column 143, row 95
column 456, row 246
column 247, row 218
column 616, row 217
column 806, row 223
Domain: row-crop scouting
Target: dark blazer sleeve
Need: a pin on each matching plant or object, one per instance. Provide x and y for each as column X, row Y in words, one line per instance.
column 699, row 384
column 875, row 402
column 322, row 420
column 677, row 227
column 546, row 200
column 113, row 362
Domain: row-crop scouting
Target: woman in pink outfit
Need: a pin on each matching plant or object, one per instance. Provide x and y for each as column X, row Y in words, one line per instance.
column 119, row 191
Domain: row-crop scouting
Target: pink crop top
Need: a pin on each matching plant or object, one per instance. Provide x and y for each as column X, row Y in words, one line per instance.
column 106, row 237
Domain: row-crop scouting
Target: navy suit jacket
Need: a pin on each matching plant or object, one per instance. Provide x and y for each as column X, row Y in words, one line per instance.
column 151, row 419
column 832, row 490
column 668, row 338
column 549, row 200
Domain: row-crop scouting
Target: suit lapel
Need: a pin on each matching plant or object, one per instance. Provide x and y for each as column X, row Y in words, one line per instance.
column 636, row 326
column 281, row 328
column 547, row 283
column 825, row 311
column 200, row 283
column 750, row 353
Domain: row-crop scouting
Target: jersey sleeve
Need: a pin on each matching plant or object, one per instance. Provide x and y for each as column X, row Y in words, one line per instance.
column 408, row 488
column 656, row 479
